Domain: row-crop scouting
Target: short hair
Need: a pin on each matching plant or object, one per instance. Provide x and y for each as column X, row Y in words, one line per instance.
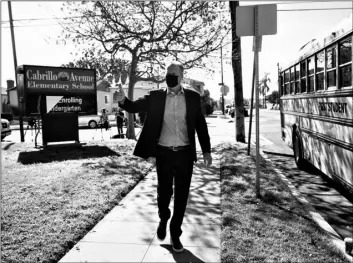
column 177, row 64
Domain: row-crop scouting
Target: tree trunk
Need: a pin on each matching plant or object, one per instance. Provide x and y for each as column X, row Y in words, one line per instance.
column 238, row 79
column 130, row 133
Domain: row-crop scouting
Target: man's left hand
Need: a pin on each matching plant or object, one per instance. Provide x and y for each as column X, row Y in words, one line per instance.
column 207, row 159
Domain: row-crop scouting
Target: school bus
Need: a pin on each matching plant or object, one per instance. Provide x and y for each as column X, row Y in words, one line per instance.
column 316, row 105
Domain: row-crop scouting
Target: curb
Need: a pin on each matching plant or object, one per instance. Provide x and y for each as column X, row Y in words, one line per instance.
column 318, row 219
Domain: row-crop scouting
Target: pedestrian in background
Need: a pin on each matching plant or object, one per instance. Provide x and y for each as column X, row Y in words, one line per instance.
column 168, row 138
column 104, row 119
column 119, row 122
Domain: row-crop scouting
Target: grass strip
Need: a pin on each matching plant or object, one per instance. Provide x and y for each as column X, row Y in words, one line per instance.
column 273, row 228
column 51, row 198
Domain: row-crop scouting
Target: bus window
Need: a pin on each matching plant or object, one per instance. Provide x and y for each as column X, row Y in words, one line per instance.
column 303, row 76
column 286, row 76
column 320, row 66
column 297, row 90
column 311, row 67
column 286, row 81
column 282, row 84
column 331, row 66
column 292, row 73
column 292, row 83
column 345, row 62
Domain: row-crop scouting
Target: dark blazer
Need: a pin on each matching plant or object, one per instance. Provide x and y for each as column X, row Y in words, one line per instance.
column 153, row 104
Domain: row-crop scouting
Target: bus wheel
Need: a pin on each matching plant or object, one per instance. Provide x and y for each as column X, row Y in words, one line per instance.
column 298, row 151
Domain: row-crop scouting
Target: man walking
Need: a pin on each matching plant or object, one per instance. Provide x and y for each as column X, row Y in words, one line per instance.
column 168, row 135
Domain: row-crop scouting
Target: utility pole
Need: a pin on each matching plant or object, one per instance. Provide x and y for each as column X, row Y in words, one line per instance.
column 12, row 36
column 15, row 64
column 222, row 79
column 222, row 82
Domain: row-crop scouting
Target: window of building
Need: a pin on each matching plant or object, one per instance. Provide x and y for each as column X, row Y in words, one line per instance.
column 345, row 62
column 106, row 99
column 331, row 66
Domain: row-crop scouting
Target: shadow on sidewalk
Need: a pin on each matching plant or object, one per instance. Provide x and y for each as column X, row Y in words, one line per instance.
column 186, row 256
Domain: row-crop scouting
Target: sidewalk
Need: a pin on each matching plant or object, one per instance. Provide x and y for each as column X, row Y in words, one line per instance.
column 128, row 232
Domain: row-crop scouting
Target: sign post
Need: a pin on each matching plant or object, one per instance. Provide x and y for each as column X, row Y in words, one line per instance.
column 256, row 21
column 256, row 54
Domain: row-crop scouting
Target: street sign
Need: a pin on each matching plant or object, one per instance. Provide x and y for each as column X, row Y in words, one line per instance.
column 256, row 21
column 224, row 89
column 267, row 20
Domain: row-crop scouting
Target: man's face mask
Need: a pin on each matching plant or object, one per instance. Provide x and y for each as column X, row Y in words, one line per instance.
column 171, row 80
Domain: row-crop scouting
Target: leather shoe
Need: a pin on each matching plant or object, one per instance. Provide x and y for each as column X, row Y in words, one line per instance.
column 162, row 230
column 176, row 245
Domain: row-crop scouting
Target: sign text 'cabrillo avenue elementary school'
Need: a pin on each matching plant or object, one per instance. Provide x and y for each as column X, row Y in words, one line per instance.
column 52, row 90
column 58, row 80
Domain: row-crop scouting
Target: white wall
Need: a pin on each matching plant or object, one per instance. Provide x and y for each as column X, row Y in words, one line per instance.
column 101, row 101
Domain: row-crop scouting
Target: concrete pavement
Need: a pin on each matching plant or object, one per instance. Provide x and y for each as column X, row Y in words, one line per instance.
column 128, row 232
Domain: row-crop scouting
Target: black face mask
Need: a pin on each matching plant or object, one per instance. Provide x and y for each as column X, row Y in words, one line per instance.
column 171, row 80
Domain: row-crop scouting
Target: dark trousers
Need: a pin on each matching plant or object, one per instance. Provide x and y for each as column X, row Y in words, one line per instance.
column 120, row 128
column 177, row 166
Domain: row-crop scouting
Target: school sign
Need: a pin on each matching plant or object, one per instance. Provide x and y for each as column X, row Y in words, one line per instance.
column 57, row 90
column 63, row 80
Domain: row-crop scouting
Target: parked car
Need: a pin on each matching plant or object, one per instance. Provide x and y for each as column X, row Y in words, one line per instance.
column 275, row 107
column 232, row 112
column 5, row 128
column 94, row 121
column 7, row 116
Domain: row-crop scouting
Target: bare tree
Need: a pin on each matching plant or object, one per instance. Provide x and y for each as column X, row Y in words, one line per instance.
column 238, row 79
column 146, row 33
column 106, row 69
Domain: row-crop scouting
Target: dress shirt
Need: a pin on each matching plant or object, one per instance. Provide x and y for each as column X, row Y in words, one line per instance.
column 174, row 129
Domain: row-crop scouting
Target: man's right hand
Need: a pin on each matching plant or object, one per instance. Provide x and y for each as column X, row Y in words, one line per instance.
column 121, row 95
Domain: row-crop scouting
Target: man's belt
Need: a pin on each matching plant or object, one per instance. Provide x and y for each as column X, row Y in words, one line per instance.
column 175, row 148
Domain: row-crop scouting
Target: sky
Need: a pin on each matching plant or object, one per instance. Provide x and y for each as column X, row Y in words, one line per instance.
column 36, row 39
